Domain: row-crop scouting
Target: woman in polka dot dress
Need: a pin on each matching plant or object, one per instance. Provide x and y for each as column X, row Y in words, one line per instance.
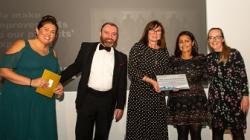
column 146, row 118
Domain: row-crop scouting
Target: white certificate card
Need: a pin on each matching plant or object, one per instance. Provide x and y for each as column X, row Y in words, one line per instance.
column 172, row 82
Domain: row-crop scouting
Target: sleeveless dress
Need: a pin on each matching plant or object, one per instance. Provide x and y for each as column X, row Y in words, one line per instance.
column 25, row 114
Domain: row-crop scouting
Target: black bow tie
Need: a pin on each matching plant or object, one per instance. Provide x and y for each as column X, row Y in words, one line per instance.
column 101, row 47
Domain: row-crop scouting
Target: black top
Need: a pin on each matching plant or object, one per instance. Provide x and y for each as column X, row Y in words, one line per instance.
column 187, row 107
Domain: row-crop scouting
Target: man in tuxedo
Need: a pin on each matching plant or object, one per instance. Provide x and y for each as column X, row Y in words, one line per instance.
column 101, row 92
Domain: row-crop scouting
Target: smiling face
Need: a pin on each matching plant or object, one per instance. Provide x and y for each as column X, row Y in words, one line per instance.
column 47, row 33
column 215, row 40
column 154, row 34
column 109, row 35
column 185, row 44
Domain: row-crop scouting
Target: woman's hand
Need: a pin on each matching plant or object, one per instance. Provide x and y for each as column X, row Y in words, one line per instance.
column 153, row 82
column 156, row 86
column 39, row 82
column 244, row 106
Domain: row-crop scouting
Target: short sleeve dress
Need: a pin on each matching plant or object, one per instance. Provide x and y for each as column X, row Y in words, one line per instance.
column 146, row 118
column 228, row 84
column 25, row 114
column 187, row 107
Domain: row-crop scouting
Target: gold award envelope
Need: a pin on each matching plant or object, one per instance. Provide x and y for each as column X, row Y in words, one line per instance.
column 53, row 80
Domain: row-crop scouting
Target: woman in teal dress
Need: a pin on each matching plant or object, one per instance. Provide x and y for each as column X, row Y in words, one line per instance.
column 25, row 114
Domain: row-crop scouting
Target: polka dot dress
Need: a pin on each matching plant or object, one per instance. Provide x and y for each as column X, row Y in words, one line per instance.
column 146, row 118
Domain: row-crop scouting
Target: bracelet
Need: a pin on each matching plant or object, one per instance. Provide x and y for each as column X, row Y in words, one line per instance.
column 30, row 82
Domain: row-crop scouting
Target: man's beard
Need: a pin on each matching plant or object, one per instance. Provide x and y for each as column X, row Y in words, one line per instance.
column 108, row 42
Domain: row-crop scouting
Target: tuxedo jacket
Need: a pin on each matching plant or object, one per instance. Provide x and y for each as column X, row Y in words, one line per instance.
column 82, row 65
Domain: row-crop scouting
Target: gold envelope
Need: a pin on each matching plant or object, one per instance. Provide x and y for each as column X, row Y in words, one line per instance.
column 53, row 80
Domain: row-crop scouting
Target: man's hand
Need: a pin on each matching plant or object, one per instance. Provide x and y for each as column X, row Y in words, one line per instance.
column 118, row 114
column 59, row 90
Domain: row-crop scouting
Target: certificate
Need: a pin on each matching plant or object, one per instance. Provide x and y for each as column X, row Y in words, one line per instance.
column 172, row 82
column 53, row 80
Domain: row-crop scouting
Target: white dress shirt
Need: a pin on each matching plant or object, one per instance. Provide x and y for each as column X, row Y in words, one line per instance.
column 102, row 67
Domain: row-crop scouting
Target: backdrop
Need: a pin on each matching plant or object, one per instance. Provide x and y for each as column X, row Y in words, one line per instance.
column 80, row 20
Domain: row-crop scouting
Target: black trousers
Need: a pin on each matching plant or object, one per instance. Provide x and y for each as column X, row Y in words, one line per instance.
column 97, row 112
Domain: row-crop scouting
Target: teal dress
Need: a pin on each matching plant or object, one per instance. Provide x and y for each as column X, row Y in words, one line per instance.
column 25, row 114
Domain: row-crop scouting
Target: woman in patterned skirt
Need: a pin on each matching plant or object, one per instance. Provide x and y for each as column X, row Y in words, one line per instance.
column 187, row 109
column 146, row 118
column 228, row 90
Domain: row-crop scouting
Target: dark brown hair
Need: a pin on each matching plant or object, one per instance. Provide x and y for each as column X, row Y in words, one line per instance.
column 150, row 26
column 194, row 52
column 48, row 19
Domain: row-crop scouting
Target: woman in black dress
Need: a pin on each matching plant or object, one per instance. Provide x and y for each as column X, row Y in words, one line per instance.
column 146, row 118
column 228, row 90
column 187, row 109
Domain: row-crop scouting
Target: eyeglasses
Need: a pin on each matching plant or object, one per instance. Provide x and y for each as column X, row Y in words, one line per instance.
column 214, row 37
column 155, row 31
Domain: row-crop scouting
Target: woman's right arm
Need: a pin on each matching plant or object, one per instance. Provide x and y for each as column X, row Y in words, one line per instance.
column 153, row 82
column 135, row 71
column 12, row 76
